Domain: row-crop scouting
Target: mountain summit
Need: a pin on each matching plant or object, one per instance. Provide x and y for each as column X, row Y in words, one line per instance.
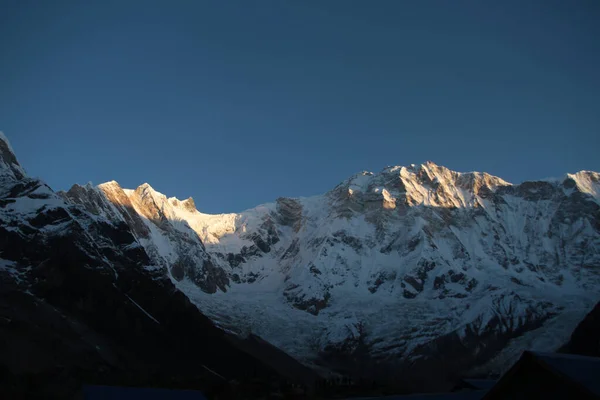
column 415, row 265
column 9, row 166
column 84, row 300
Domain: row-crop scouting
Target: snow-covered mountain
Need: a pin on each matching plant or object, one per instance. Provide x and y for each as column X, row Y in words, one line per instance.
column 414, row 263
column 83, row 299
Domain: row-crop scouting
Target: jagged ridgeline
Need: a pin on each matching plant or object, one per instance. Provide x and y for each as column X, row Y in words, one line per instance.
column 411, row 263
column 428, row 261
column 83, row 301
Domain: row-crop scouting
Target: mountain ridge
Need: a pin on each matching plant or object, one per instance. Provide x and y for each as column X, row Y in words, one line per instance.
column 417, row 265
column 262, row 247
column 591, row 177
column 79, row 303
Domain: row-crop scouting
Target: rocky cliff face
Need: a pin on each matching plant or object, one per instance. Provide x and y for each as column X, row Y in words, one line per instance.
column 169, row 242
column 81, row 301
column 416, row 264
column 411, row 263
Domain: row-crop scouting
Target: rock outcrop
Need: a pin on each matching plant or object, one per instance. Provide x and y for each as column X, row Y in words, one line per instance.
column 82, row 302
column 411, row 263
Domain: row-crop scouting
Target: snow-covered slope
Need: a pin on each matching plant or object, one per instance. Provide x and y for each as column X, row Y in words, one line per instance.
column 86, row 295
column 153, row 220
column 413, row 262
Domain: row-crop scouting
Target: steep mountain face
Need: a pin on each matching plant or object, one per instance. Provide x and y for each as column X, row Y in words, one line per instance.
column 416, row 263
column 418, row 268
column 168, row 240
column 82, row 301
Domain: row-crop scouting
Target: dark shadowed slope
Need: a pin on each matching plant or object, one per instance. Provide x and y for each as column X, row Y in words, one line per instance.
column 585, row 340
column 80, row 302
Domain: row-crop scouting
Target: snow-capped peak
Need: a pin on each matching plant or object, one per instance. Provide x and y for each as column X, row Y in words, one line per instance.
column 110, row 183
column 146, row 187
column 4, row 139
column 587, row 182
column 360, row 181
column 415, row 261
column 147, row 192
column 426, row 184
column 416, row 252
column 9, row 166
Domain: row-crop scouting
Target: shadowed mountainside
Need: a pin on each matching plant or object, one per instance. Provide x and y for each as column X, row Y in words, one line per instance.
column 80, row 303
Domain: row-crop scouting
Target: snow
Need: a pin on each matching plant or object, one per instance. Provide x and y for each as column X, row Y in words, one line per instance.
column 7, row 172
column 260, row 308
column 451, row 227
column 8, row 266
column 361, row 181
column 373, row 244
column 110, row 184
column 5, row 140
column 159, row 242
column 27, row 205
column 365, row 257
column 587, row 182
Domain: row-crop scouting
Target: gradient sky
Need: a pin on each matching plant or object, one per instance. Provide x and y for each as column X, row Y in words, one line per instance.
column 237, row 102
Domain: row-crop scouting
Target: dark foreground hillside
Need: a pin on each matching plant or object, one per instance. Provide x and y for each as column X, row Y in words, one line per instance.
column 78, row 304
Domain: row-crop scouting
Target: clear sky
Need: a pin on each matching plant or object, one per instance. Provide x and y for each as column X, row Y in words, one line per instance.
column 237, row 102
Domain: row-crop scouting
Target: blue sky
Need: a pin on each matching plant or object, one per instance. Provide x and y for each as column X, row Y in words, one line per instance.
column 238, row 102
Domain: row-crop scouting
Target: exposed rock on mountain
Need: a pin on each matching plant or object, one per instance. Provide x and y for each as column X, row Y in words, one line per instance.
column 426, row 260
column 82, row 301
column 416, row 265
column 169, row 241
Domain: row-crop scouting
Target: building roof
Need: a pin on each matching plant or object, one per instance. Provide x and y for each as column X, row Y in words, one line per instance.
column 93, row 392
column 583, row 370
column 579, row 373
